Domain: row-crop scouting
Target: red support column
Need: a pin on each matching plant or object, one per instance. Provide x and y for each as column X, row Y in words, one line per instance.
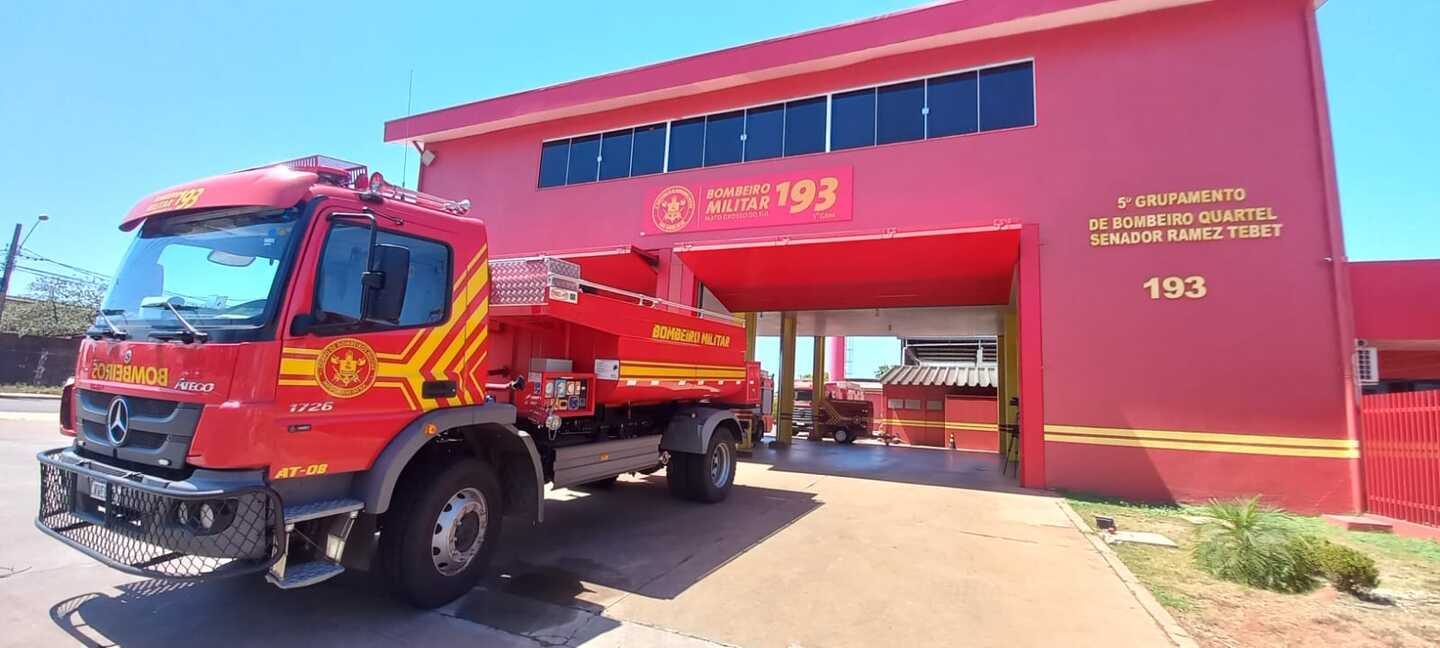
column 1032, row 399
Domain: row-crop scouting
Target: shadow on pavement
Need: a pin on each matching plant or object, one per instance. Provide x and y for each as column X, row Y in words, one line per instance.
column 548, row 582
column 902, row 464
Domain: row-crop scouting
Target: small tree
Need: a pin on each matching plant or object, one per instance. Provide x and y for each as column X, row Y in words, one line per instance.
column 1248, row 543
column 54, row 307
column 881, row 370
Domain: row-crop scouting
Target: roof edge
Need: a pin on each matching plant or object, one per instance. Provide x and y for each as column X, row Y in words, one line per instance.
column 928, row 26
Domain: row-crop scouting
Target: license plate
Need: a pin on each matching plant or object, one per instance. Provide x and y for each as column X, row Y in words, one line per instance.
column 98, row 489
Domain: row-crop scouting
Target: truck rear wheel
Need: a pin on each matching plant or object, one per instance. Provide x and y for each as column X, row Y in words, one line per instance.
column 705, row 477
column 844, row 435
column 440, row 532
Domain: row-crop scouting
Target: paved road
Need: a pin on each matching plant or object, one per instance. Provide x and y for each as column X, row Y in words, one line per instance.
column 826, row 545
column 15, row 406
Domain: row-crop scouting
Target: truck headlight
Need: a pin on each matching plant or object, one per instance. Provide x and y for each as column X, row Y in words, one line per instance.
column 206, row 517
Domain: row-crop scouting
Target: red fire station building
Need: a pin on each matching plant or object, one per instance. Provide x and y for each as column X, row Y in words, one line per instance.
column 1137, row 196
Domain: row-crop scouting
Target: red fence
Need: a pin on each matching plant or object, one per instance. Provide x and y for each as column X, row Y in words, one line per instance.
column 1400, row 448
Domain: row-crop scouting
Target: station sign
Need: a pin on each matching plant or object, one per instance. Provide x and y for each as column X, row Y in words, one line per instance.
column 790, row 198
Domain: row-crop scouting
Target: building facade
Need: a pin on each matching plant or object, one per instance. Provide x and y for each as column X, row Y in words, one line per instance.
column 1144, row 189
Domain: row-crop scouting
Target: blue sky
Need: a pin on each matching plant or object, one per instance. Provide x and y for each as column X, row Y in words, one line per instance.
column 106, row 102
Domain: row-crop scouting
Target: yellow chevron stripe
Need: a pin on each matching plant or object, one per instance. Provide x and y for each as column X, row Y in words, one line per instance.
column 1195, row 437
column 405, row 370
column 467, row 357
column 467, row 331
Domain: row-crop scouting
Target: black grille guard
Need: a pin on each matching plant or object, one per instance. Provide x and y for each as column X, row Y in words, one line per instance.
column 140, row 527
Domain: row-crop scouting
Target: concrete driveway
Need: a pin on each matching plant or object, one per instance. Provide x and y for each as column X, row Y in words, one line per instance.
column 823, row 545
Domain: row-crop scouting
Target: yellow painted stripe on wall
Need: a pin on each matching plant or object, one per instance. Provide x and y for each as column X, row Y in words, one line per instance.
column 1210, row 437
column 1232, row 448
column 947, row 425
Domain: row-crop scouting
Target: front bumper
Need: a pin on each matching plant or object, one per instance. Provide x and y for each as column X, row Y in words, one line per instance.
column 143, row 525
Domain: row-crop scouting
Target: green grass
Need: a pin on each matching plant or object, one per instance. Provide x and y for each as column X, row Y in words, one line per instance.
column 1219, row 612
column 1171, row 598
column 24, row 388
column 1386, row 544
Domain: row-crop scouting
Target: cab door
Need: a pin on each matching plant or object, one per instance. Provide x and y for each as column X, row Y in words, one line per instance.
column 348, row 383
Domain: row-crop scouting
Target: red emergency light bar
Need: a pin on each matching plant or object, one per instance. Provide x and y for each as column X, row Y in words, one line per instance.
column 340, row 172
column 357, row 176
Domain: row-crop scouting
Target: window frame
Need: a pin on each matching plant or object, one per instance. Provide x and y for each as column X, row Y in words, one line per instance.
column 570, row 158
column 706, row 150
column 363, row 326
column 828, row 97
column 779, row 108
column 565, row 164
column 874, row 92
column 923, row 113
column 670, row 141
column 629, row 135
column 664, row 128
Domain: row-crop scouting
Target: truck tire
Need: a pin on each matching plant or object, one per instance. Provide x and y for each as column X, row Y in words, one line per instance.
column 677, row 475
column 440, row 532
column 844, row 435
column 708, row 476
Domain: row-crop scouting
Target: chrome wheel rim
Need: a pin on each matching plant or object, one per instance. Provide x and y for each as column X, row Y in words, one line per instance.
column 720, row 465
column 459, row 531
column 842, row 434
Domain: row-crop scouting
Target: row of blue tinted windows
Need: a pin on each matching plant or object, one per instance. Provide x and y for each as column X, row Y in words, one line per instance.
column 953, row 104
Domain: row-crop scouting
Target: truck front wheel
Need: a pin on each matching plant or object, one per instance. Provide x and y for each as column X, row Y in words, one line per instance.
column 440, row 531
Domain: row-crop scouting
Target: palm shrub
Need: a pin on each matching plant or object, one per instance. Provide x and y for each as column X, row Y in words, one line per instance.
column 1245, row 542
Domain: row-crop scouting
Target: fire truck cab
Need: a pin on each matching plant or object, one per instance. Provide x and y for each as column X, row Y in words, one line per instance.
column 301, row 367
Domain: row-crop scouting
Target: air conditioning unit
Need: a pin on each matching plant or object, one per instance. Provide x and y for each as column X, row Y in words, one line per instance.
column 1367, row 364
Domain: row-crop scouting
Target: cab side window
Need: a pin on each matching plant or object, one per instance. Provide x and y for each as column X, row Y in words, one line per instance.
column 338, row 287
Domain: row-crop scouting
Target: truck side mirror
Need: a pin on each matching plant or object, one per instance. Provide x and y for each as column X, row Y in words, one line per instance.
column 384, row 283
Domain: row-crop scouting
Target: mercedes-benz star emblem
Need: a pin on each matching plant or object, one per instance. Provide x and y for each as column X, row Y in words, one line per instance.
column 117, row 421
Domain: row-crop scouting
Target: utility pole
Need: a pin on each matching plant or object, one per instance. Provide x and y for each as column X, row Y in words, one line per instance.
column 9, row 268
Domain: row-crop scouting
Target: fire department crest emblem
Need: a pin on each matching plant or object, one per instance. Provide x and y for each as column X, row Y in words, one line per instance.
column 346, row 368
column 673, row 209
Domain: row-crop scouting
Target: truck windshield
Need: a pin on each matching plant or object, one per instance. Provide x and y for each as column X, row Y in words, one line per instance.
column 219, row 271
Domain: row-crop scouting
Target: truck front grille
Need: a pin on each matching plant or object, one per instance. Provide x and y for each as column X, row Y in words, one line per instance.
column 159, row 434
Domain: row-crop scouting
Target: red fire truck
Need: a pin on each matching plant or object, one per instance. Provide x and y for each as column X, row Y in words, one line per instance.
column 845, row 416
column 302, row 367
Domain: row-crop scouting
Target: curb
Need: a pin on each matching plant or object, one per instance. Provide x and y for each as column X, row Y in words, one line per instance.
column 27, row 395
column 1172, row 628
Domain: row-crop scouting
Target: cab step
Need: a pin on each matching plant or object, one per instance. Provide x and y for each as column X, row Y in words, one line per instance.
column 305, row 574
column 320, row 509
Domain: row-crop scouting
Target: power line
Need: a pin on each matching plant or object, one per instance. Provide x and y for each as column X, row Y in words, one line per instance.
column 54, row 275
column 26, row 254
